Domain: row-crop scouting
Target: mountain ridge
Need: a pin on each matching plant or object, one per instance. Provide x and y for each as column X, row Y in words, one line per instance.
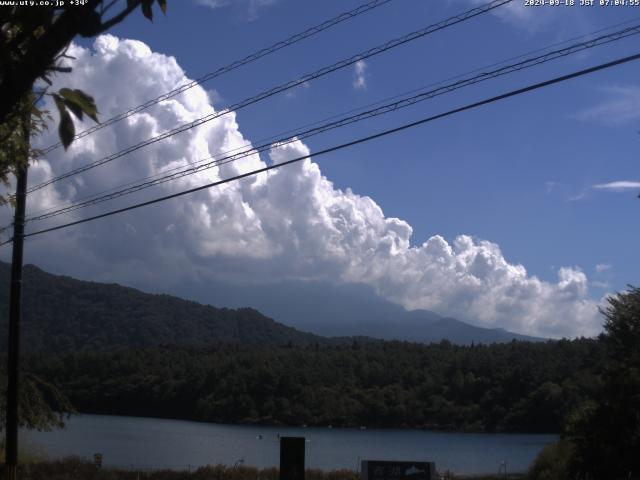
column 61, row 313
column 348, row 309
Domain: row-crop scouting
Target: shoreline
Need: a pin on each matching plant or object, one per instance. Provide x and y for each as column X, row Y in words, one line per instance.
column 161, row 443
column 276, row 425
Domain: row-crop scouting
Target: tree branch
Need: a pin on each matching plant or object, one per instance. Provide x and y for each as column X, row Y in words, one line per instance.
column 21, row 76
column 104, row 26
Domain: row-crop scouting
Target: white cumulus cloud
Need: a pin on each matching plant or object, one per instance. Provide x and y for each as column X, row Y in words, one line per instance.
column 287, row 224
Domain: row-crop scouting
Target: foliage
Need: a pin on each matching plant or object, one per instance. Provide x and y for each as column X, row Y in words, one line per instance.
column 33, row 40
column 606, row 428
column 386, row 384
column 41, row 404
column 77, row 102
column 13, row 137
column 33, row 43
column 552, row 463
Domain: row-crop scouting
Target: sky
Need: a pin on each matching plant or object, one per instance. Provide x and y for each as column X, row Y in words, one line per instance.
column 520, row 214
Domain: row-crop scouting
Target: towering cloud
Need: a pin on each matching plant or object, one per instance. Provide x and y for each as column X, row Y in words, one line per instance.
column 289, row 224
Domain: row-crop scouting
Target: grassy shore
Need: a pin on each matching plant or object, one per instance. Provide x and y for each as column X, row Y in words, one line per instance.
column 79, row 469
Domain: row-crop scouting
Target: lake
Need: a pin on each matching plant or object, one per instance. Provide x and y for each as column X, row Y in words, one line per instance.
column 150, row 443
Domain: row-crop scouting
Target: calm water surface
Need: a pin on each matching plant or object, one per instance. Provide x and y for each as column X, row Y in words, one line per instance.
column 149, row 443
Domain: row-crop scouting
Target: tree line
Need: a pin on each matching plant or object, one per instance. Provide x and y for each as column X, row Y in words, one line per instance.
column 520, row 386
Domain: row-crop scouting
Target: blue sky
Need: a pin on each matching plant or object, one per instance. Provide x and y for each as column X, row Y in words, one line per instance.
column 518, row 173
column 504, row 216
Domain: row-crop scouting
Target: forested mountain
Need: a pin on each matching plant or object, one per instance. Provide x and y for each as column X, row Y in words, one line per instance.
column 518, row 386
column 64, row 314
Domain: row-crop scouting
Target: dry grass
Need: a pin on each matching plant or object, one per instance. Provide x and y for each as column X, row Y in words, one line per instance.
column 74, row 468
column 79, row 469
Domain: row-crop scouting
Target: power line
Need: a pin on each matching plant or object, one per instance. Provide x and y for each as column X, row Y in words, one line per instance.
column 365, row 7
column 512, row 93
column 273, row 138
column 287, row 86
column 132, row 187
column 116, row 191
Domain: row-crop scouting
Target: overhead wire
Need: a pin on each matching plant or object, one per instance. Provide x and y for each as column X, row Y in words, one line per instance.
column 283, row 87
column 272, row 138
column 164, row 177
column 368, row 138
column 309, row 32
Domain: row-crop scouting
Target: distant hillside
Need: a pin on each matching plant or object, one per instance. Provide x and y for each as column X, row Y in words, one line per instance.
column 347, row 310
column 64, row 314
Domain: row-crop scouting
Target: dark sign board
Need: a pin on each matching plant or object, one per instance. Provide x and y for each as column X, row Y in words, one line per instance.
column 292, row 458
column 392, row 470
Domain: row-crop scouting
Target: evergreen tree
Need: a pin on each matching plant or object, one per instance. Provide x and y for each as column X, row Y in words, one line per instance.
column 606, row 430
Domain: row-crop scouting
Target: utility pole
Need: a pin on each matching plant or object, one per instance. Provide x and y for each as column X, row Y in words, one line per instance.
column 15, row 300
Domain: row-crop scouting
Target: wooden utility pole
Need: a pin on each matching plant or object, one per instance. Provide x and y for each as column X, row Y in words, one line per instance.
column 15, row 300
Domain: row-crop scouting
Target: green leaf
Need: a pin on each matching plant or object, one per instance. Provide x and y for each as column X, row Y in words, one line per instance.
column 146, row 9
column 66, row 129
column 75, row 108
column 84, row 102
column 39, row 31
column 59, row 103
column 163, row 6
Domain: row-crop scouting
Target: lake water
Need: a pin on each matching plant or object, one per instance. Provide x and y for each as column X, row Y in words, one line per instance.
column 149, row 443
